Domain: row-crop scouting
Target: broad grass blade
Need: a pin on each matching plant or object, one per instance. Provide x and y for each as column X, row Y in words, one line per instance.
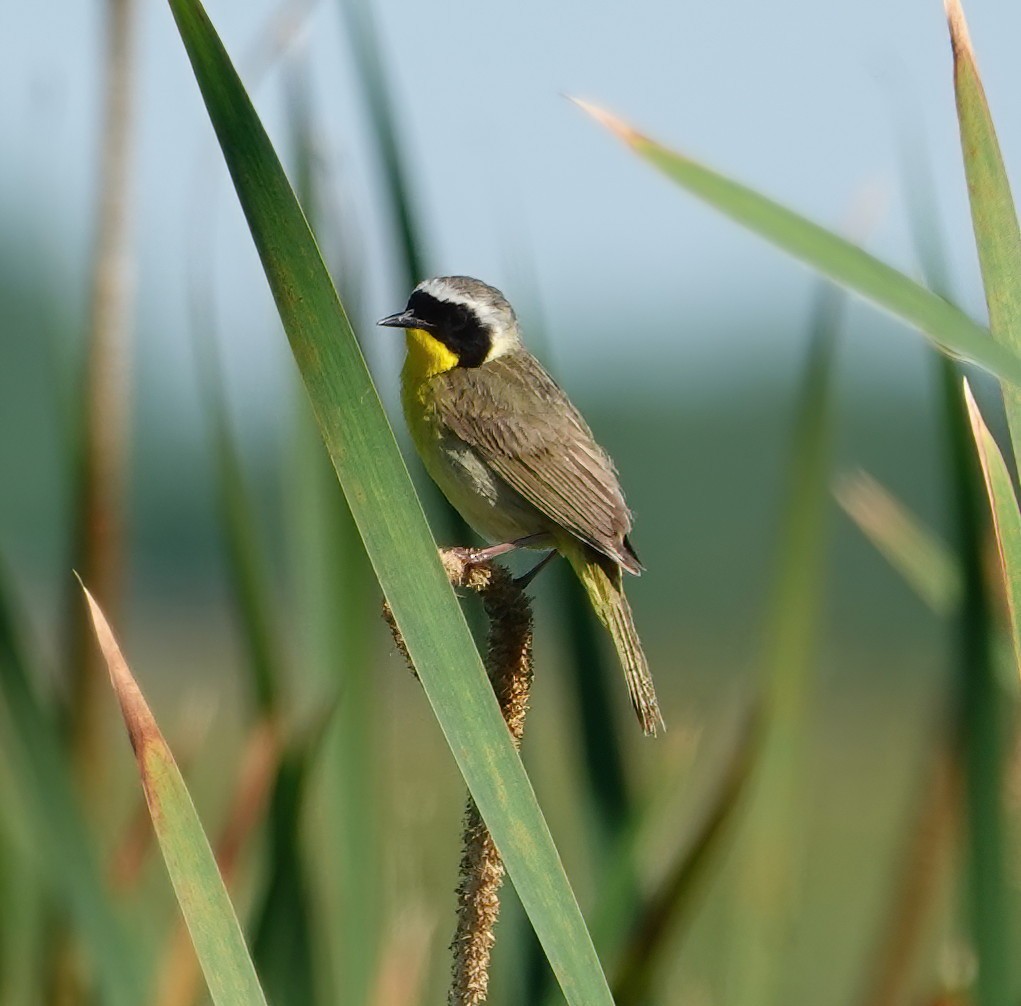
column 389, row 516
column 912, row 549
column 984, row 730
column 207, row 910
column 42, row 770
column 770, row 836
column 973, row 724
column 992, row 208
column 998, row 241
column 339, row 595
column 179, row 978
column 283, row 941
column 845, row 263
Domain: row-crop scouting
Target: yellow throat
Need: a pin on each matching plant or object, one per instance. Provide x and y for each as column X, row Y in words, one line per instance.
column 427, row 356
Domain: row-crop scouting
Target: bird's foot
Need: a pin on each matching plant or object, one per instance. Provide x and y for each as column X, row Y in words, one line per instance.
column 467, row 556
column 464, row 563
column 480, row 556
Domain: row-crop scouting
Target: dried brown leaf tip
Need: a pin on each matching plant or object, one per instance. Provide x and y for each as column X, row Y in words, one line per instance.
column 615, row 125
column 138, row 718
column 960, row 39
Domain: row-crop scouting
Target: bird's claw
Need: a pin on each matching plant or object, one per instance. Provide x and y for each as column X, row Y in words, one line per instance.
column 467, row 556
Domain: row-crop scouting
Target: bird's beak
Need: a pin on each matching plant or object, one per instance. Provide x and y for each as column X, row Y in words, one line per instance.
column 403, row 319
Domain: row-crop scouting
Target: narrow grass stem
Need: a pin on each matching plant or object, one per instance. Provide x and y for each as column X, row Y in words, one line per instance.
column 104, row 445
column 920, row 876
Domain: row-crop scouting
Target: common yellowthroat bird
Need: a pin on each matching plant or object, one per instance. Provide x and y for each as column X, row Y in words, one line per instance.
column 514, row 456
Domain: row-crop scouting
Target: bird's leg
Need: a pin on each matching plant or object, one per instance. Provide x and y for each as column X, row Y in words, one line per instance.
column 477, row 556
column 526, row 578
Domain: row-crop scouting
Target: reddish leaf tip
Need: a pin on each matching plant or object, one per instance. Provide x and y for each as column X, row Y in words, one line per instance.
column 135, row 710
column 614, row 124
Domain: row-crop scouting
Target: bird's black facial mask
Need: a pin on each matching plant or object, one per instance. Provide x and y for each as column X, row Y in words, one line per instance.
column 455, row 325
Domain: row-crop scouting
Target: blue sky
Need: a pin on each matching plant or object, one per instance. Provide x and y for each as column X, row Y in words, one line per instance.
column 796, row 97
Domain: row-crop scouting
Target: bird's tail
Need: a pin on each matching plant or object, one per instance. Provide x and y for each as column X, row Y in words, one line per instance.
column 602, row 580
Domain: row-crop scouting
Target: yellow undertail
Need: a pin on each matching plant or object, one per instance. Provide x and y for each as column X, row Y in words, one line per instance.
column 602, row 579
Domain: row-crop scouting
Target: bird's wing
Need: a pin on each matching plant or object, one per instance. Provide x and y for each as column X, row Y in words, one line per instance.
column 526, row 429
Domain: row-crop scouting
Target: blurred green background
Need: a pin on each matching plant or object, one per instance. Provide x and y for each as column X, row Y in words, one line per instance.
column 681, row 338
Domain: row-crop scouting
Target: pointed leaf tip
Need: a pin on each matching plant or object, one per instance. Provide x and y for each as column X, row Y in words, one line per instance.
column 614, row 124
column 137, row 716
column 973, row 414
column 1006, row 517
column 984, row 442
column 960, row 39
column 208, row 913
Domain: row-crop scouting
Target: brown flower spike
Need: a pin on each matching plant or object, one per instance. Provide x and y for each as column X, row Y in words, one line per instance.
column 509, row 665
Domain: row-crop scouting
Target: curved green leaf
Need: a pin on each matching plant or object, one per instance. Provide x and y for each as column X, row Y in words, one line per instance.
column 389, row 516
column 998, row 241
column 847, row 264
column 49, row 790
column 985, row 727
column 912, row 549
column 769, row 845
column 993, row 216
column 215, row 932
column 1006, row 516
